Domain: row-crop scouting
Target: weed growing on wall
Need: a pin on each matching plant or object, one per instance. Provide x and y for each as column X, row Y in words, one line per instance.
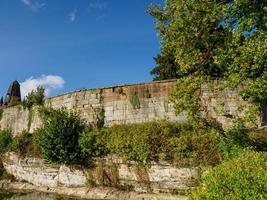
column 185, row 96
column 5, row 140
column 1, row 113
column 134, row 100
column 21, row 143
column 34, row 98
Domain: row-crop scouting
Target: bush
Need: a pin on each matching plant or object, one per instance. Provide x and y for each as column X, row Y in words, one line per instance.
column 5, row 140
column 139, row 142
column 58, row 137
column 34, row 98
column 260, row 139
column 21, row 143
column 186, row 144
column 243, row 177
column 235, row 140
column 197, row 148
column 238, row 134
column 91, row 145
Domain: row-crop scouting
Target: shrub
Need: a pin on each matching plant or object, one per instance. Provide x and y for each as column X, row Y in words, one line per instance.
column 243, row 177
column 58, row 137
column 197, row 148
column 239, row 135
column 1, row 113
column 235, row 140
column 260, row 139
column 34, row 98
column 90, row 144
column 152, row 141
column 139, row 142
column 21, row 143
column 4, row 175
column 5, row 140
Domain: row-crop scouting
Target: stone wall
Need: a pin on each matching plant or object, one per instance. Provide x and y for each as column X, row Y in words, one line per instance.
column 109, row 171
column 224, row 106
column 112, row 105
column 129, row 104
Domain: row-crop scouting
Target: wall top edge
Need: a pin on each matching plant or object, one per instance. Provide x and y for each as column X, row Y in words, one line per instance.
column 114, row 86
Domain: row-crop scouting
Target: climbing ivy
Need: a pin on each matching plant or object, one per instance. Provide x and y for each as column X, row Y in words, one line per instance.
column 1, row 113
column 134, row 100
column 185, row 96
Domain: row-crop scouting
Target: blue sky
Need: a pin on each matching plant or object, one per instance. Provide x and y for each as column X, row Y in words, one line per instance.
column 76, row 43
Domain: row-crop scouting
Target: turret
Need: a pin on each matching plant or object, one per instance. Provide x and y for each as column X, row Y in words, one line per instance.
column 13, row 95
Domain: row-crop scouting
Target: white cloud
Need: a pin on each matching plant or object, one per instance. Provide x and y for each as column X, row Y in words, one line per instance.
column 97, row 9
column 72, row 15
column 98, row 4
column 50, row 83
column 34, row 5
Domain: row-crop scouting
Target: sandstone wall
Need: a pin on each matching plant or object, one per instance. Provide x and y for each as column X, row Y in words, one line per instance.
column 129, row 104
column 224, row 106
column 112, row 105
column 109, row 171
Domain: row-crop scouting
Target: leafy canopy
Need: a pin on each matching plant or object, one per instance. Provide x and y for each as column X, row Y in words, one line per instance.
column 213, row 39
column 34, row 98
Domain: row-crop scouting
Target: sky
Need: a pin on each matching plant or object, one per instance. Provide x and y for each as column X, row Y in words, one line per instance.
column 66, row 45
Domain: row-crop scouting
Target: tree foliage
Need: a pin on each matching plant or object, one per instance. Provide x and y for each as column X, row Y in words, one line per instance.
column 214, row 39
column 166, row 67
column 34, row 98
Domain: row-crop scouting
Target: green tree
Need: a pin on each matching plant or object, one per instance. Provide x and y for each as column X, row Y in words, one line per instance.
column 166, row 67
column 214, row 39
column 34, row 98
column 194, row 32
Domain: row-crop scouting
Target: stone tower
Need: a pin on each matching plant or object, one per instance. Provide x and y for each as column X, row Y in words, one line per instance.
column 13, row 95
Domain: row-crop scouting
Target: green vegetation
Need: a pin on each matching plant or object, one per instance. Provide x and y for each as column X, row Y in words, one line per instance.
column 91, row 144
column 4, row 174
column 59, row 135
column 185, row 96
column 166, row 67
column 65, row 138
column 5, row 140
column 134, row 100
column 184, row 144
column 206, row 40
column 260, row 138
column 21, row 143
column 34, row 98
column 243, row 177
column 1, row 113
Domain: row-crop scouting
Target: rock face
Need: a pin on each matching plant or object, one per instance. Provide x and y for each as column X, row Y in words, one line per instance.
column 109, row 171
column 39, row 173
column 84, row 192
column 129, row 104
